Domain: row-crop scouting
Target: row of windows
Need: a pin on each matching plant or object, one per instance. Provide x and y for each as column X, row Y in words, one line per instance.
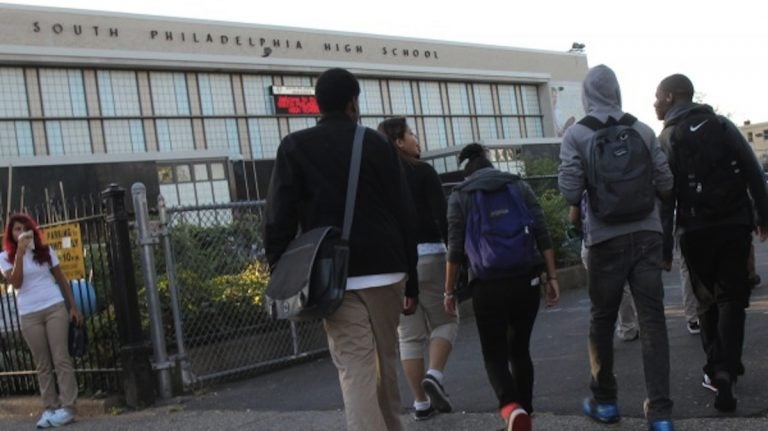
column 63, row 95
column 450, row 113
column 263, row 134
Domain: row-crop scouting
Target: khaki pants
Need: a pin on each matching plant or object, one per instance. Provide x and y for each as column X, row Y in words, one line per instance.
column 362, row 338
column 46, row 333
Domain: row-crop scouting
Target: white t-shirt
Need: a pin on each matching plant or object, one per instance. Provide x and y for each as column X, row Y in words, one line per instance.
column 39, row 289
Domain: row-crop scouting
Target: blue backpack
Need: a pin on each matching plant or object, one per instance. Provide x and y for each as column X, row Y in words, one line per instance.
column 499, row 240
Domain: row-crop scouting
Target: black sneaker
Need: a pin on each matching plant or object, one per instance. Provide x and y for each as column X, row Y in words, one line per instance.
column 725, row 400
column 437, row 395
column 422, row 415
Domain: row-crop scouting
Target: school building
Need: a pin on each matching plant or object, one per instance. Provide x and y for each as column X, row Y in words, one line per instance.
column 196, row 109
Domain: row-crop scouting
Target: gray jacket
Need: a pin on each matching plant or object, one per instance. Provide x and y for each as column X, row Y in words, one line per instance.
column 489, row 179
column 601, row 97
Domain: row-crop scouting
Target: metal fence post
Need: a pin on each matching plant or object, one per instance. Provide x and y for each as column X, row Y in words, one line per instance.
column 170, row 270
column 146, row 242
column 134, row 353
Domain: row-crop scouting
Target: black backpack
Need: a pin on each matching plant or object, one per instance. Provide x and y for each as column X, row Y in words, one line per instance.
column 708, row 181
column 619, row 171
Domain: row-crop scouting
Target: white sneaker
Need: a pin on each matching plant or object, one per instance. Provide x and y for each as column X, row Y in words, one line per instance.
column 707, row 383
column 61, row 417
column 44, row 418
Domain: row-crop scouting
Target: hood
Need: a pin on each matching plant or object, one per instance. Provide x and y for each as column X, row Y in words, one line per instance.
column 486, row 179
column 600, row 91
column 681, row 110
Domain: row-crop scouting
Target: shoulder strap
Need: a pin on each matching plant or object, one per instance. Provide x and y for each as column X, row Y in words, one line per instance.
column 627, row 120
column 595, row 124
column 592, row 123
column 354, row 176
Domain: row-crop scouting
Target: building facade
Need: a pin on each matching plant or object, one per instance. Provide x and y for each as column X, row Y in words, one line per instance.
column 757, row 136
column 196, row 109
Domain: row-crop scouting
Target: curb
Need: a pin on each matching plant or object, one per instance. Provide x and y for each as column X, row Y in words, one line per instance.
column 31, row 406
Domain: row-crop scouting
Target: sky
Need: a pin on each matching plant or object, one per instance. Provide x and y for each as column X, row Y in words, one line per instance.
column 721, row 46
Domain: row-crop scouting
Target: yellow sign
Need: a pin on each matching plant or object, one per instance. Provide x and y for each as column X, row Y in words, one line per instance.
column 65, row 240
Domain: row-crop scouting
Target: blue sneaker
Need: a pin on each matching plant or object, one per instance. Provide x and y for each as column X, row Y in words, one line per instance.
column 607, row 413
column 661, row 425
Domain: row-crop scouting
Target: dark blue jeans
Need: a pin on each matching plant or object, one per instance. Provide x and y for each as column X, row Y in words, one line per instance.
column 634, row 258
column 505, row 311
column 717, row 259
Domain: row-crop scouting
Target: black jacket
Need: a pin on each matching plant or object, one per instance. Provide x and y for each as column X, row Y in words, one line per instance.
column 753, row 177
column 308, row 190
column 428, row 197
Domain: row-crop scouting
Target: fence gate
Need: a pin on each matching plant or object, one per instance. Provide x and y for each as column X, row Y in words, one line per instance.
column 214, row 265
column 78, row 233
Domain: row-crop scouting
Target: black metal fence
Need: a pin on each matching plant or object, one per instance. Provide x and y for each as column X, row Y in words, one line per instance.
column 80, row 226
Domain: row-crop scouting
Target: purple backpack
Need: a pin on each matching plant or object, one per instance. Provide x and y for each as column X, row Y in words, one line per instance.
column 499, row 239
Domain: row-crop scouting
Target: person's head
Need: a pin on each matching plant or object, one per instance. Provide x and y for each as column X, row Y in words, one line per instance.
column 336, row 91
column 398, row 132
column 476, row 157
column 672, row 90
column 17, row 224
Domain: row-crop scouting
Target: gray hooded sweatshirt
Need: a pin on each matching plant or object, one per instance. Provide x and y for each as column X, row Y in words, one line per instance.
column 601, row 97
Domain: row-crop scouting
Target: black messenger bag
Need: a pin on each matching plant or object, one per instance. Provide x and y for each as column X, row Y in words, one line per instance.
column 310, row 278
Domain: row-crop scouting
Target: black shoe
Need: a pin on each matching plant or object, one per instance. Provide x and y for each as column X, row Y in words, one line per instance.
column 725, row 400
column 437, row 395
column 422, row 415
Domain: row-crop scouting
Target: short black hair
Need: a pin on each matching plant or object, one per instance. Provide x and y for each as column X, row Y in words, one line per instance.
column 334, row 89
column 476, row 156
column 679, row 85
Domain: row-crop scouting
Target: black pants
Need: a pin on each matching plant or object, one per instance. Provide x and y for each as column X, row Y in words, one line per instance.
column 717, row 259
column 505, row 311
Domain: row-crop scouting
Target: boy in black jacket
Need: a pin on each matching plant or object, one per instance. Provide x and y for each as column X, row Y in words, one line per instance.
column 308, row 190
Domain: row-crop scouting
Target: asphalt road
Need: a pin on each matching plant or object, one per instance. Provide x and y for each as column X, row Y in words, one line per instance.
column 307, row 396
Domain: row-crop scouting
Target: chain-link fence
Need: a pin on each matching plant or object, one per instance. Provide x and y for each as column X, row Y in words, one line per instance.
column 216, row 264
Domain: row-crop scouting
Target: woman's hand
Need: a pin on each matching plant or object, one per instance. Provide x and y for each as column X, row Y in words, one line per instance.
column 22, row 244
column 552, row 292
column 449, row 303
column 75, row 316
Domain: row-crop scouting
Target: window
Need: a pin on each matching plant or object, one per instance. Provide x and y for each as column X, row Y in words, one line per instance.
column 507, row 100
column 12, row 86
column 258, row 100
column 216, row 94
column 264, row 137
column 750, row 137
column 174, row 135
column 118, row 93
column 124, row 136
column 765, row 135
column 169, row 93
column 199, row 183
column 458, row 99
column 430, row 98
column 370, row 97
column 462, row 131
column 68, row 137
column 222, row 134
column 401, row 98
column 63, row 93
column 16, row 139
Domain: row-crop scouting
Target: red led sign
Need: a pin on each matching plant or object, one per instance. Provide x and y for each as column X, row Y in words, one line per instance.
column 294, row 104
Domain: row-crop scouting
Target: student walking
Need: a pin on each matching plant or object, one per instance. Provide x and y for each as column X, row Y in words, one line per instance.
column 307, row 190
column 506, row 296
column 619, row 161
column 430, row 326
column 719, row 186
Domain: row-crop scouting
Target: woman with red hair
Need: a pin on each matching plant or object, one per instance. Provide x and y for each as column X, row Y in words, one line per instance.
column 41, row 288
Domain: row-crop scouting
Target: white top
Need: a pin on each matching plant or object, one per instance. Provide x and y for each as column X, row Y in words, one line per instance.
column 375, row 280
column 39, row 289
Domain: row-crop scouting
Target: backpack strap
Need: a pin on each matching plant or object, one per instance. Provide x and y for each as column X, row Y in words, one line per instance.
column 594, row 124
